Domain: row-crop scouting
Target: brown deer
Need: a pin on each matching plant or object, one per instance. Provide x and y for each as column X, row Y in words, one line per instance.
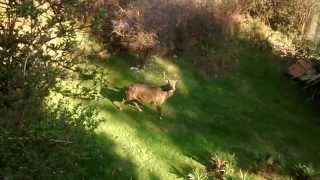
column 156, row 96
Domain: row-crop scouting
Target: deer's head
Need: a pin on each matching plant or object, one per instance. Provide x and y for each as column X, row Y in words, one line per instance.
column 172, row 84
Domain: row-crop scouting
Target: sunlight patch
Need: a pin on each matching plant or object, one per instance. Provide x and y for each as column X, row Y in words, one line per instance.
column 154, row 157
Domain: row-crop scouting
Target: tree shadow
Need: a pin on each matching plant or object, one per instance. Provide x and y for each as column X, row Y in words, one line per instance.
column 55, row 144
column 113, row 94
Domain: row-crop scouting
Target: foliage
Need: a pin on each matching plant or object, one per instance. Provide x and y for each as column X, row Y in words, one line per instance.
column 292, row 19
column 303, row 172
column 35, row 39
column 221, row 167
column 120, row 29
column 198, row 174
column 266, row 164
column 84, row 83
column 243, row 175
column 148, row 27
column 287, row 16
column 52, row 143
column 39, row 141
column 61, row 129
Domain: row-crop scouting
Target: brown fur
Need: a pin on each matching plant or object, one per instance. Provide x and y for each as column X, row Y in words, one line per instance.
column 155, row 96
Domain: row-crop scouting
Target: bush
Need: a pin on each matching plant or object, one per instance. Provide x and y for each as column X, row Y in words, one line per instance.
column 198, row 174
column 266, row 165
column 287, row 16
column 52, row 143
column 303, row 172
column 221, row 168
column 147, row 27
column 35, row 37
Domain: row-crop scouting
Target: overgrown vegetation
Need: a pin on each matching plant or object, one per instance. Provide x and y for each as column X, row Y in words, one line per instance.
column 168, row 26
column 304, row 172
column 34, row 150
column 234, row 115
column 37, row 38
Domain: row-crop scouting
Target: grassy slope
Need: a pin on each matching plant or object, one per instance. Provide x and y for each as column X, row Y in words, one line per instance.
column 255, row 110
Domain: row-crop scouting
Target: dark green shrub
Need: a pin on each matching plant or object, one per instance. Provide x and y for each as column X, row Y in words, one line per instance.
column 303, row 172
column 266, row 164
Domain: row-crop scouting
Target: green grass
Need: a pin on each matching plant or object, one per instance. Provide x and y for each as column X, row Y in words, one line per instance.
column 253, row 111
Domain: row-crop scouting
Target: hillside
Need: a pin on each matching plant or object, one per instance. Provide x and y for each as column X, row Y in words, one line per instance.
column 251, row 113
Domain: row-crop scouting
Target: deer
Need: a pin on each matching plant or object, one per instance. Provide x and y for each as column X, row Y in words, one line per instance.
column 154, row 95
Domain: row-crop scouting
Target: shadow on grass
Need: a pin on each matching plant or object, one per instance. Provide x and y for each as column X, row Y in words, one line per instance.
column 113, row 94
column 55, row 145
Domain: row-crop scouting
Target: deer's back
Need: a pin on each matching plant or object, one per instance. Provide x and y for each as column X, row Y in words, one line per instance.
column 145, row 93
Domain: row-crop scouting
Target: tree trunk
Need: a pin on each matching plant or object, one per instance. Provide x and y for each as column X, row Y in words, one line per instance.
column 312, row 31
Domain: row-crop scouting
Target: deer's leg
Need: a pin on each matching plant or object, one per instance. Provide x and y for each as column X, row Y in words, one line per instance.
column 123, row 102
column 159, row 108
column 137, row 106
